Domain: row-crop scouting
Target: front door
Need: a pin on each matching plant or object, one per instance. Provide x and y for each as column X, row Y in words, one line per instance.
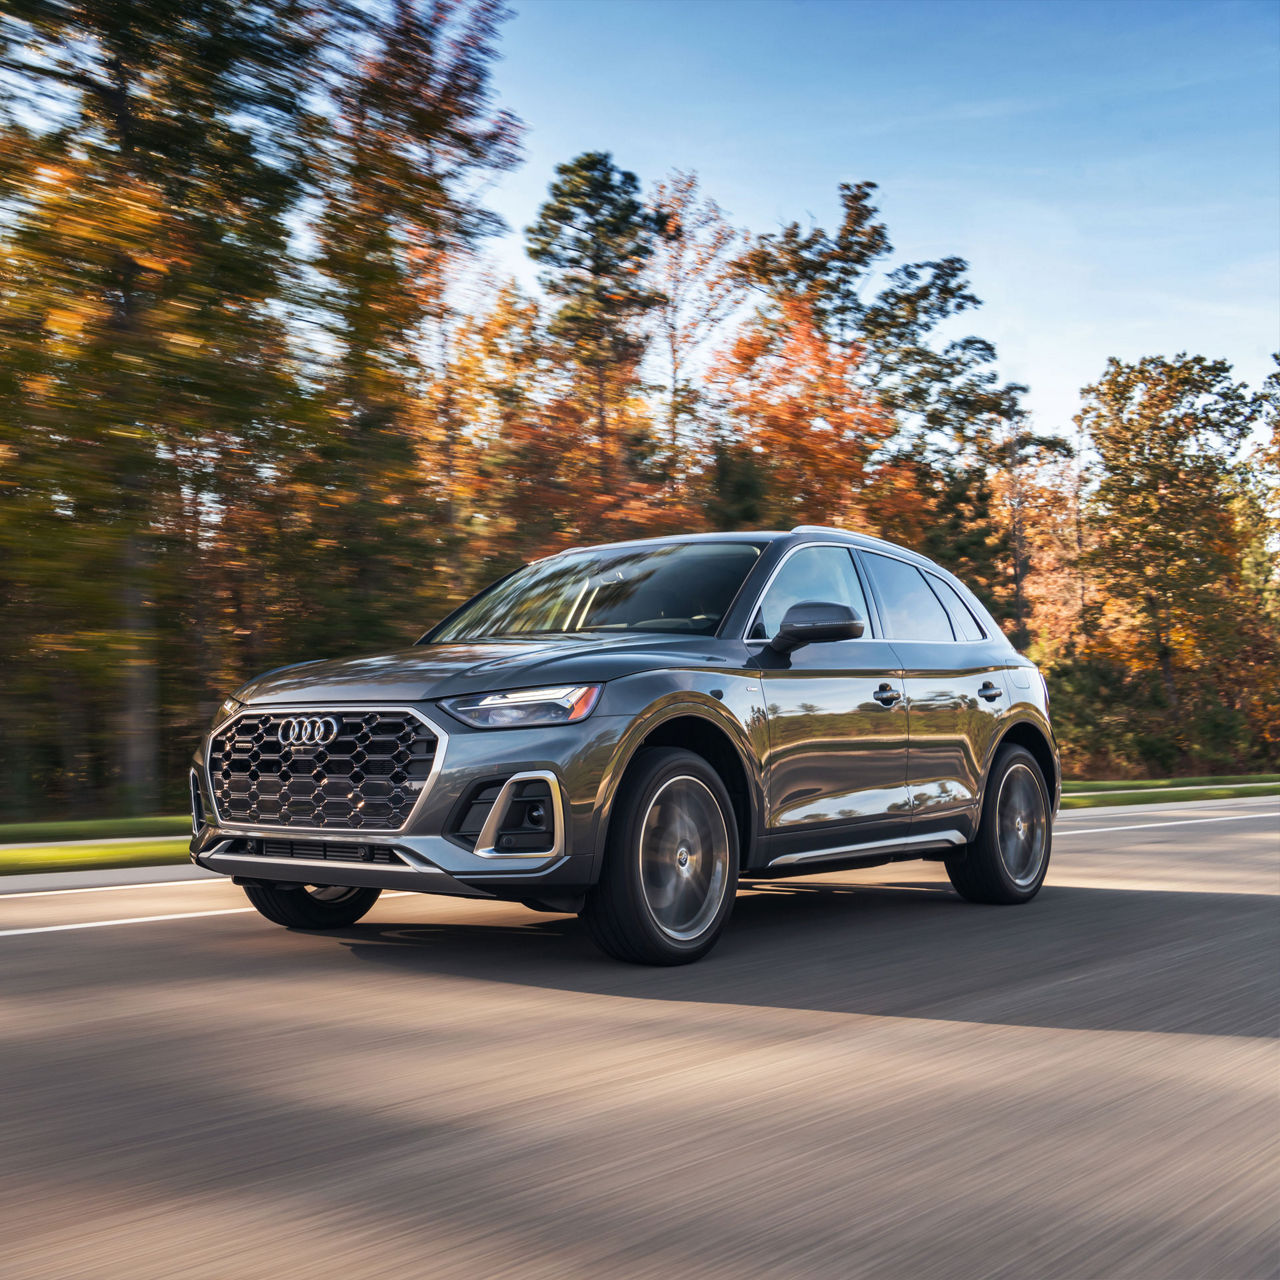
column 836, row 774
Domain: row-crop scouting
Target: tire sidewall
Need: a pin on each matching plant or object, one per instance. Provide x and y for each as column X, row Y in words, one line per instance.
column 638, row 792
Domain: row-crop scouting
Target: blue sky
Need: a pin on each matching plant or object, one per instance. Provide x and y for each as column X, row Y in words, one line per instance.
column 1111, row 170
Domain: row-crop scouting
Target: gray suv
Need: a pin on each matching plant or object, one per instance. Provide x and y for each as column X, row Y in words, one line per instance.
column 623, row 731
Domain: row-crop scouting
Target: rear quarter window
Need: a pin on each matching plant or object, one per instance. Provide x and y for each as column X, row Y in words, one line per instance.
column 967, row 627
column 911, row 610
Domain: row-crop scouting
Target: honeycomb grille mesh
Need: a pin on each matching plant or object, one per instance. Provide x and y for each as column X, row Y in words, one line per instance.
column 367, row 779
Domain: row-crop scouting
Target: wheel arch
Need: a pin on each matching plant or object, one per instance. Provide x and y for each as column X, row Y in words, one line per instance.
column 1031, row 736
column 691, row 727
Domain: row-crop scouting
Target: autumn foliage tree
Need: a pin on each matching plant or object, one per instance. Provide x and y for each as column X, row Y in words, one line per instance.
column 262, row 399
column 145, row 231
column 1167, row 545
column 797, row 410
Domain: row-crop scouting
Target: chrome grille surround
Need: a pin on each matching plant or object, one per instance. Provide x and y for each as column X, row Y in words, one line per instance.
column 373, row 777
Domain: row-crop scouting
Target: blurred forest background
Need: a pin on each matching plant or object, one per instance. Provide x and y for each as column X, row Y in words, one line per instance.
column 262, row 399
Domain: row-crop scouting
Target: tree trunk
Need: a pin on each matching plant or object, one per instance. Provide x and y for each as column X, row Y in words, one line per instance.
column 139, row 727
column 675, row 394
column 609, row 468
column 69, row 699
column 1079, row 523
column 1164, row 656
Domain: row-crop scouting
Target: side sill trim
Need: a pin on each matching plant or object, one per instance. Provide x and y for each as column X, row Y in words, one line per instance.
column 930, row 840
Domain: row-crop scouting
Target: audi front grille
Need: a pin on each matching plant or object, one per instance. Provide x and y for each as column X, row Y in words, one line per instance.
column 365, row 773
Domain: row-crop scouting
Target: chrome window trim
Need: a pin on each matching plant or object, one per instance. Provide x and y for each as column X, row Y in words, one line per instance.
column 367, row 835
column 777, row 569
column 854, row 548
column 924, row 573
column 941, row 839
column 489, row 832
column 977, row 622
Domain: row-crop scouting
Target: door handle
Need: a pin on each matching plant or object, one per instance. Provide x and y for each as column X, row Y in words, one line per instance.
column 886, row 695
column 990, row 692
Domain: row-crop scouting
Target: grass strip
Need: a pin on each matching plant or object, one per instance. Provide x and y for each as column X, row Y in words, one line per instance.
column 1166, row 784
column 146, row 853
column 1070, row 801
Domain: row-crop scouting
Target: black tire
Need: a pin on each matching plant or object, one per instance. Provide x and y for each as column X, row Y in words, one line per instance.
column 1009, row 859
column 671, row 864
column 311, row 906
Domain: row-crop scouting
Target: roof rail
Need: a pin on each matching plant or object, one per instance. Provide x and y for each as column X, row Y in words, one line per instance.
column 850, row 533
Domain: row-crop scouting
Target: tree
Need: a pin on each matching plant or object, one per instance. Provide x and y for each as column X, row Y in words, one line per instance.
column 396, row 165
column 146, row 228
column 928, row 482
column 593, row 237
column 693, row 271
column 796, row 405
column 189, row 194
column 1169, row 435
column 1015, row 456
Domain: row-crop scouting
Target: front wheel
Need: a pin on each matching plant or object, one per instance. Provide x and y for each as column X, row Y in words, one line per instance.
column 311, row 906
column 671, row 869
column 1008, row 860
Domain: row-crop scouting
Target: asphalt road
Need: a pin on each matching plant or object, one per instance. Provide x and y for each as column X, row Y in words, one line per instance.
column 867, row 1078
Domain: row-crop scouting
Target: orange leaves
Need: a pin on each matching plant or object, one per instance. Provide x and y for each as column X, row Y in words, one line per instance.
column 798, row 401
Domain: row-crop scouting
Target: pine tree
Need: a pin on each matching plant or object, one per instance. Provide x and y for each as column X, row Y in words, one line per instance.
column 593, row 237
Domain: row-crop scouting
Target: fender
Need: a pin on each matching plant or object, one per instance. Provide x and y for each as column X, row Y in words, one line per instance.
column 687, row 703
column 1030, row 715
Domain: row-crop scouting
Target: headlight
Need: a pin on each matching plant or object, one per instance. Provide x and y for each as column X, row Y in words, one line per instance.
column 224, row 713
column 525, row 708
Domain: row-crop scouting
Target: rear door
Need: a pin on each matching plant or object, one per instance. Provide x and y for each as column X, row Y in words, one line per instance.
column 837, row 766
column 955, row 692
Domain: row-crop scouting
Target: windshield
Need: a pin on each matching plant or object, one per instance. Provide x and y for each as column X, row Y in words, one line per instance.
column 682, row 586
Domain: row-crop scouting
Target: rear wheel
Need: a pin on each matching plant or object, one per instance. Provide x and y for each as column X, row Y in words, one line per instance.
column 671, row 869
column 311, row 906
column 1008, row 860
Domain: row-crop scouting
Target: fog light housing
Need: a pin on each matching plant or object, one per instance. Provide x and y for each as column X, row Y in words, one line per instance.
column 521, row 817
column 197, row 803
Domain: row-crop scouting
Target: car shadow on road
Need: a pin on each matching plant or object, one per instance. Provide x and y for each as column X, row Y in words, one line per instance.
column 1076, row 958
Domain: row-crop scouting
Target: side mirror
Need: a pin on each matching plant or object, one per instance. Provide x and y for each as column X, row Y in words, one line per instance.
column 813, row 622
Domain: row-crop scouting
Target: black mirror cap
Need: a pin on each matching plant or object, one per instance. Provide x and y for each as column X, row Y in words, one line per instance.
column 816, row 622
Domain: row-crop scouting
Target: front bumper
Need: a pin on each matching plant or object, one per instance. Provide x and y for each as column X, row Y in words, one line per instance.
column 427, row 855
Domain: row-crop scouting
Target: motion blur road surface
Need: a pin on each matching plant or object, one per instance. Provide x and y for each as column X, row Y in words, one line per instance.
column 867, row 1077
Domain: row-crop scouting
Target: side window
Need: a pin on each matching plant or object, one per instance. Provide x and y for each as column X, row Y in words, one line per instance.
column 966, row 625
column 911, row 610
column 823, row 574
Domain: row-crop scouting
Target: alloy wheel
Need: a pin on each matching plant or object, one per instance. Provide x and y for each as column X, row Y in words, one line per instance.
column 1021, row 825
column 684, row 858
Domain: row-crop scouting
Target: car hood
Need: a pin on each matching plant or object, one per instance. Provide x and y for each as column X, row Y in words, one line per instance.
column 446, row 670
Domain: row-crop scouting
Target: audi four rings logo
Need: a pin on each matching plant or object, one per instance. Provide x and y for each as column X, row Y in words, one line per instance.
column 308, row 731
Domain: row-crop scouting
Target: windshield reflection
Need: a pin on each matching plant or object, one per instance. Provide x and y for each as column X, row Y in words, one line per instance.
column 680, row 587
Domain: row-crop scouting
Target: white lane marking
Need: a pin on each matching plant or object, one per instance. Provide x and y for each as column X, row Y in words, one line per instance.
column 1139, row 826
column 103, row 888
column 181, row 915
column 102, row 924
